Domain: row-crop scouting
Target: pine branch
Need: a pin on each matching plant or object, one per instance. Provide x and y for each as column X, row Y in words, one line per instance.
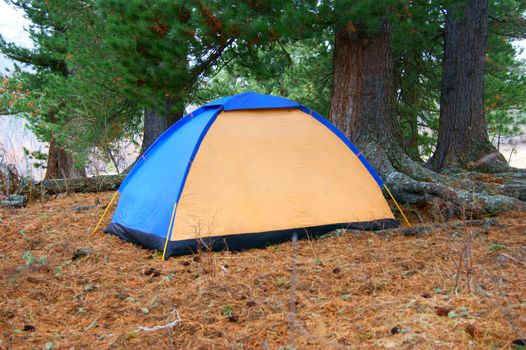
column 31, row 57
column 201, row 68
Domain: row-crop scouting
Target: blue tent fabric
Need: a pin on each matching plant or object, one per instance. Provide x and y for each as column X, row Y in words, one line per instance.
column 144, row 191
column 155, row 184
column 252, row 100
column 166, row 134
column 240, row 241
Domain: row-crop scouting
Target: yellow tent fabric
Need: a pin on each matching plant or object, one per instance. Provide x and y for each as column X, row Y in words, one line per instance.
column 267, row 170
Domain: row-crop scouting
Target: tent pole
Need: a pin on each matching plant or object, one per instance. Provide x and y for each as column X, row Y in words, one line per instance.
column 169, row 229
column 398, row 206
column 105, row 211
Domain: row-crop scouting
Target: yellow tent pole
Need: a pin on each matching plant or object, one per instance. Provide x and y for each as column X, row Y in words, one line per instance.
column 394, row 200
column 169, row 229
column 105, row 211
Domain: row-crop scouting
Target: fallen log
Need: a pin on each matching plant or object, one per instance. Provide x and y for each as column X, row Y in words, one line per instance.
column 13, row 201
column 83, row 185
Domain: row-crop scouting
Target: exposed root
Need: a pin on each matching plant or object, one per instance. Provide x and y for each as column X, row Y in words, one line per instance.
column 496, row 184
column 468, row 192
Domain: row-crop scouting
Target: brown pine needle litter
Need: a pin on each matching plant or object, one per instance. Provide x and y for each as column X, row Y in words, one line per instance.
column 455, row 288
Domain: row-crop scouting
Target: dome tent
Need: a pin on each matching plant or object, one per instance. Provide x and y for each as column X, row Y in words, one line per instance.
column 246, row 171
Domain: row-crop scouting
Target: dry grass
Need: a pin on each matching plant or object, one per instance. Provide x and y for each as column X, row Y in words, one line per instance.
column 351, row 290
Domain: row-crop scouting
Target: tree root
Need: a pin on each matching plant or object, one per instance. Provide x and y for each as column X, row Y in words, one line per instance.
column 467, row 193
column 454, row 200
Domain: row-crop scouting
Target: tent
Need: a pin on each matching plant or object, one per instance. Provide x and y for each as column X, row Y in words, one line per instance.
column 246, row 171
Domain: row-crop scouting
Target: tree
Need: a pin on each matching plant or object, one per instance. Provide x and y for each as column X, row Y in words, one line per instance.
column 45, row 58
column 505, row 76
column 65, row 94
column 162, row 49
column 363, row 95
column 418, row 53
column 504, row 90
column 362, row 104
column 462, row 135
column 417, row 49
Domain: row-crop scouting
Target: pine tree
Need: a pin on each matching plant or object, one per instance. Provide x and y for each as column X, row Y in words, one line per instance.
column 505, row 76
column 162, row 49
column 47, row 59
column 462, row 135
column 66, row 96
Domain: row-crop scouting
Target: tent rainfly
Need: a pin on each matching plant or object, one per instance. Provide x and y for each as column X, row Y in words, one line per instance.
column 246, row 171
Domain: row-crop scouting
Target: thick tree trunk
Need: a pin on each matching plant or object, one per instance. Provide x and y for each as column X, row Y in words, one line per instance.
column 60, row 163
column 462, row 136
column 362, row 97
column 362, row 107
column 157, row 120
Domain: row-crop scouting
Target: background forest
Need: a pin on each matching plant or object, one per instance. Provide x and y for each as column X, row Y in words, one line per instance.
column 425, row 89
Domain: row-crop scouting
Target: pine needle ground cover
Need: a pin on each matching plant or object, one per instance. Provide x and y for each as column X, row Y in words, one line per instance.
column 64, row 288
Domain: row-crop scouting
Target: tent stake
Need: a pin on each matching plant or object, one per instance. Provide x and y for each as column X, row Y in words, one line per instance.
column 394, row 200
column 169, row 229
column 105, row 211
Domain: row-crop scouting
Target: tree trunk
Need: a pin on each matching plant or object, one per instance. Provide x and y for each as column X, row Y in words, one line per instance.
column 462, row 136
column 362, row 106
column 410, row 122
column 362, row 99
column 60, row 163
column 408, row 77
column 157, row 120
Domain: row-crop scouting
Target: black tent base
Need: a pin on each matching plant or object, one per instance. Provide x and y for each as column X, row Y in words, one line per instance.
column 236, row 242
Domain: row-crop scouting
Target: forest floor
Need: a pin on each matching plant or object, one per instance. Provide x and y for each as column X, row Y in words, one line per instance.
column 353, row 290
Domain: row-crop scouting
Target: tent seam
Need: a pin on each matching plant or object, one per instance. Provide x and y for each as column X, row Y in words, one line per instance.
column 189, row 165
column 346, row 141
column 142, row 158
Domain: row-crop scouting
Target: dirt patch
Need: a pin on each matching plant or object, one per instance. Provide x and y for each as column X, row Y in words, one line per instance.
column 352, row 290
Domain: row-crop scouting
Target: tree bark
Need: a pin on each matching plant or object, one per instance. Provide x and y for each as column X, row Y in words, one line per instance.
column 362, row 99
column 60, row 163
column 407, row 77
column 462, row 135
column 157, row 120
column 362, row 106
column 411, row 120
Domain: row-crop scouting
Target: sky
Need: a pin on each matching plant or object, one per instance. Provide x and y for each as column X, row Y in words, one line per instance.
column 12, row 23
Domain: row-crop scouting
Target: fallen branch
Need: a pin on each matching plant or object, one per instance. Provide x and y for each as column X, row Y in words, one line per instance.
column 513, row 259
column 84, row 185
column 13, row 201
column 168, row 325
